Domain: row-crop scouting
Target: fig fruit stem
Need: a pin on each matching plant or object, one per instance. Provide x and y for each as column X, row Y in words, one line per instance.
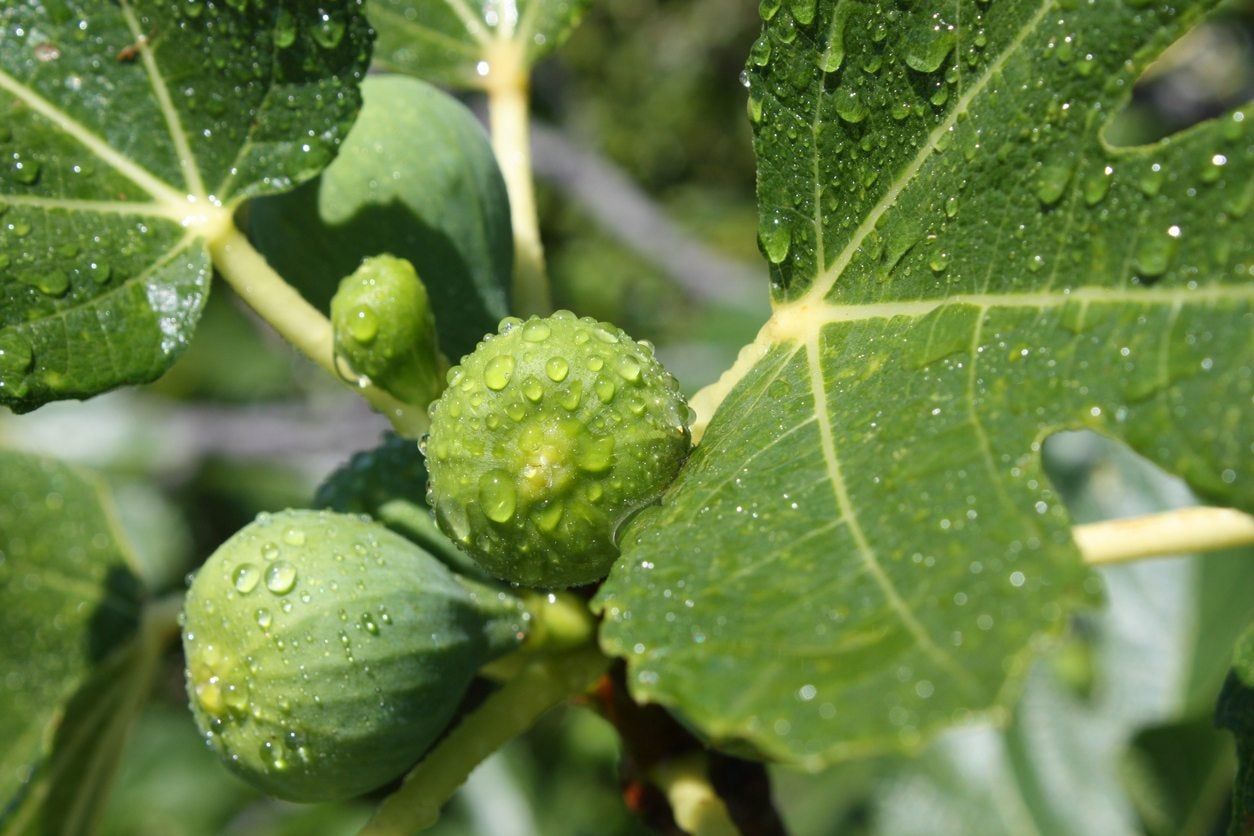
column 542, row 684
column 1182, row 531
column 507, row 85
column 695, row 804
column 560, row 623
column 300, row 323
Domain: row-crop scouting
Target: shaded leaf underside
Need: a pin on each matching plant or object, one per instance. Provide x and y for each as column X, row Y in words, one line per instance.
column 69, row 599
column 864, row 547
column 127, row 132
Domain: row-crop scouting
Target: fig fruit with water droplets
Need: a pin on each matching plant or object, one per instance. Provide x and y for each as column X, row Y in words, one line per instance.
column 326, row 653
column 549, row 435
column 384, row 329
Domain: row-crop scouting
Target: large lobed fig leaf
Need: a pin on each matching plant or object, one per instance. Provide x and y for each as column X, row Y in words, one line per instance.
column 864, row 548
column 128, row 131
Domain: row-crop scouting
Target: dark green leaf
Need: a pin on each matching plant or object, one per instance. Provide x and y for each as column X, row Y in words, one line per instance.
column 416, row 178
column 389, row 483
column 1236, row 713
column 455, row 42
column 69, row 603
column 864, row 548
column 69, row 791
column 1173, row 795
column 128, row 131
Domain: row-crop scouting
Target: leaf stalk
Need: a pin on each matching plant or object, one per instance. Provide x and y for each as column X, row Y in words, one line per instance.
column 297, row 321
column 1182, row 531
column 507, row 85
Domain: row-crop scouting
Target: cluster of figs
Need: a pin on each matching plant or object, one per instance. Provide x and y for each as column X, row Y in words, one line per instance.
column 325, row 651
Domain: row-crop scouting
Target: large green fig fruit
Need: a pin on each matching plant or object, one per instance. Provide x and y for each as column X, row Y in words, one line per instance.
column 549, row 434
column 325, row 653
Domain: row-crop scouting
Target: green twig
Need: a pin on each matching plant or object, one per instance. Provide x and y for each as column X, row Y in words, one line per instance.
column 542, row 684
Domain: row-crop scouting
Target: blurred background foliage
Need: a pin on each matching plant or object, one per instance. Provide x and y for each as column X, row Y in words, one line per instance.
column 1113, row 734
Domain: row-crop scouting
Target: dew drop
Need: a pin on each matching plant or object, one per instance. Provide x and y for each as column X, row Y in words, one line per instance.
column 629, row 369
column 498, row 371
column 281, row 577
column 363, row 324
column 533, row 390
column 1097, row 184
column 548, row 516
column 557, row 368
column 1155, row 252
column 284, row 29
column 776, row 238
column 1052, row 182
column 596, row 456
column 536, row 331
column 605, row 389
column 329, row 31
column 246, row 577
column 497, row 496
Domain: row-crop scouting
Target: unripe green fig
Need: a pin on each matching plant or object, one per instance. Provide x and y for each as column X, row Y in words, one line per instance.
column 325, row 653
column 549, row 434
column 384, row 329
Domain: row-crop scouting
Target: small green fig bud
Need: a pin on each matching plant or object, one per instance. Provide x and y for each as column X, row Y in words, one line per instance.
column 384, row 329
column 549, row 434
column 325, row 653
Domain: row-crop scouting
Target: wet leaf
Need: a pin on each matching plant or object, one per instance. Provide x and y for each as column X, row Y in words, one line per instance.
column 864, row 549
column 128, row 133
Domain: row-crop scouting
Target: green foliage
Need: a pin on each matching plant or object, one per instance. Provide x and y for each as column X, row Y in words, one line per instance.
column 1236, row 713
column 389, row 483
column 548, row 435
column 868, row 556
column 456, row 42
column 384, row 329
column 122, row 138
column 325, row 653
column 415, row 178
column 69, row 605
column 960, row 267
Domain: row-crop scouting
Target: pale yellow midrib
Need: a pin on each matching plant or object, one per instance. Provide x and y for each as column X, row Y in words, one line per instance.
column 474, row 27
column 420, row 31
column 140, row 176
column 824, row 282
column 102, row 207
column 831, row 462
column 174, row 124
column 796, row 322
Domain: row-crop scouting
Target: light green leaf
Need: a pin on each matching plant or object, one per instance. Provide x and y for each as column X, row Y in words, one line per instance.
column 1236, row 713
column 69, row 603
column 455, row 42
column 864, row 548
column 416, row 178
column 128, row 131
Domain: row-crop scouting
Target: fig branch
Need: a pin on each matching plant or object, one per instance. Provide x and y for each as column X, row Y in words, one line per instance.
column 297, row 321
